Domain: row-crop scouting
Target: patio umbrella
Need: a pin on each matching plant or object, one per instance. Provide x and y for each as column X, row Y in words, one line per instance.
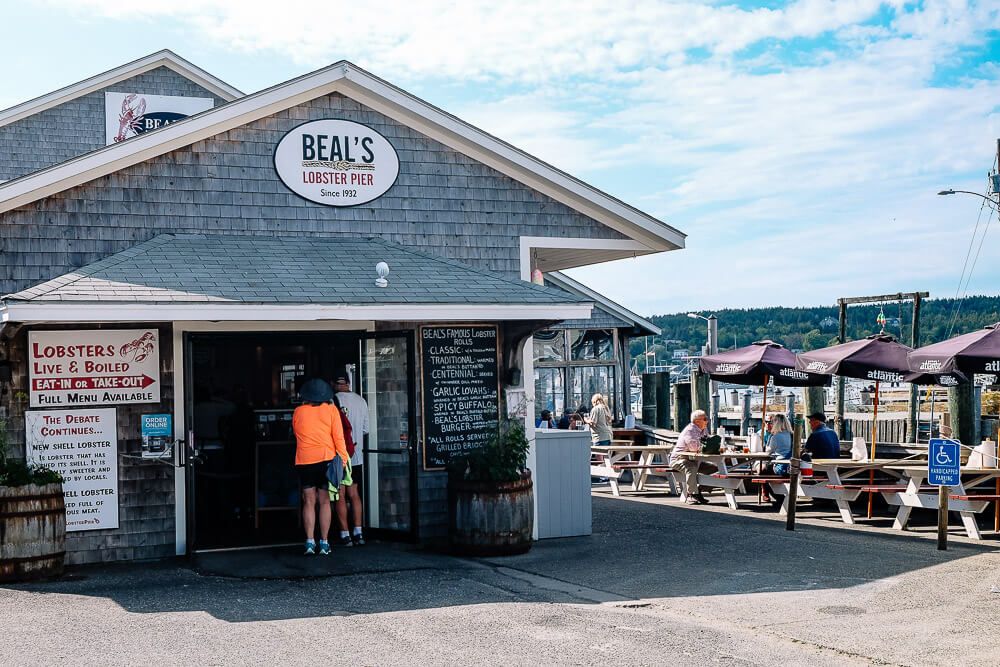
column 756, row 364
column 976, row 352
column 961, row 356
column 880, row 358
column 759, row 364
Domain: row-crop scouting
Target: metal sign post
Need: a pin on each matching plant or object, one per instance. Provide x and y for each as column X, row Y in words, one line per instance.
column 943, row 471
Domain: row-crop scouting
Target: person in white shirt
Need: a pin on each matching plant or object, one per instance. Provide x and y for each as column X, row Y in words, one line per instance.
column 357, row 413
column 690, row 441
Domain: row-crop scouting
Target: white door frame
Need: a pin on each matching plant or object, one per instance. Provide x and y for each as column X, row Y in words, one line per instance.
column 180, row 432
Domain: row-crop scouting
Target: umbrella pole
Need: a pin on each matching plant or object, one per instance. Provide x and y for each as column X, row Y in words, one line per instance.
column 763, row 422
column 871, row 473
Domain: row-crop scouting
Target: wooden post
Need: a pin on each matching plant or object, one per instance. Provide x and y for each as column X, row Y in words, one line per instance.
column 913, row 419
column 960, row 414
column 681, row 404
column 942, row 528
column 663, row 400
column 746, row 420
column 815, row 402
column 699, row 391
column 838, row 417
column 793, row 474
column 649, row 399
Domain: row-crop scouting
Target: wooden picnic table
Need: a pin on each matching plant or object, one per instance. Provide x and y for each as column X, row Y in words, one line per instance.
column 724, row 479
column 961, row 501
column 839, row 484
column 612, row 460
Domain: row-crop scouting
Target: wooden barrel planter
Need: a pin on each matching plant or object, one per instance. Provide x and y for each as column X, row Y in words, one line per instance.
column 32, row 532
column 491, row 518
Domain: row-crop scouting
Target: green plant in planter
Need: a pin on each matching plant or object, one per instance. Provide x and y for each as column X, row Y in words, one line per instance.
column 14, row 472
column 503, row 459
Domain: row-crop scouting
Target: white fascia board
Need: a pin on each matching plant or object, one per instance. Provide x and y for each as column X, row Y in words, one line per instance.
column 163, row 58
column 527, row 243
column 369, row 90
column 578, row 288
column 61, row 311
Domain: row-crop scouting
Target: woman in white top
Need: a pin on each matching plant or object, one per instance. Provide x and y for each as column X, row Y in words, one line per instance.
column 599, row 421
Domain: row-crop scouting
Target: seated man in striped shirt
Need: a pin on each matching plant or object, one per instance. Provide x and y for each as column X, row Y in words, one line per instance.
column 690, row 441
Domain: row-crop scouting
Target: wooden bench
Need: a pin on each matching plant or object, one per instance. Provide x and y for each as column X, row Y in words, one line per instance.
column 974, row 496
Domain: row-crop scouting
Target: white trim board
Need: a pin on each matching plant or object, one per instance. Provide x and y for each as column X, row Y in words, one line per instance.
column 164, row 58
column 62, row 311
column 351, row 81
column 615, row 246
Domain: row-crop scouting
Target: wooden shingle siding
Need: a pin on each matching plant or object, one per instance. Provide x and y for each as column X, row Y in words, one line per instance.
column 77, row 127
column 145, row 488
column 599, row 319
column 443, row 203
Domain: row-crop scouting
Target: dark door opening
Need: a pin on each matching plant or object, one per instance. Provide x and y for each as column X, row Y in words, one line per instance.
column 243, row 390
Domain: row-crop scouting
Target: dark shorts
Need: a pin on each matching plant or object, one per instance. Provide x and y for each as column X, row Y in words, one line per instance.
column 358, row 473
column 313, row 475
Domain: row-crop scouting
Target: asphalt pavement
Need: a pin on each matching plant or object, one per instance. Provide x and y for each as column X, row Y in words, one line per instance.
column 657, row 583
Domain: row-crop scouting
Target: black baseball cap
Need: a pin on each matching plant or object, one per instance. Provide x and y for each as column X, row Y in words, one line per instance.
column 341, row 378
column 817, row 415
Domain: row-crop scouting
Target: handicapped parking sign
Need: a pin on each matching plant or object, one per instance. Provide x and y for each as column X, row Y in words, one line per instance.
column 943, row 462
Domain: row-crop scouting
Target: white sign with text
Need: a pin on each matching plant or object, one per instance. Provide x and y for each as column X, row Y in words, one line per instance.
column 82, row 446
column 336, row 162
column 128, row 115
column 94, row 367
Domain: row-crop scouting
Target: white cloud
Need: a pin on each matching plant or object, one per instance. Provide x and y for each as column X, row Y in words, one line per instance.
column 801, row 173
column 528, row 41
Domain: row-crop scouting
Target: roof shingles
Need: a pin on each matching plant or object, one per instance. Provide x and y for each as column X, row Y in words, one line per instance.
column 195, row 268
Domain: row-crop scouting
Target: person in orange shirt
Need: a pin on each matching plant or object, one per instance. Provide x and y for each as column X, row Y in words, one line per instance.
column 319, row 438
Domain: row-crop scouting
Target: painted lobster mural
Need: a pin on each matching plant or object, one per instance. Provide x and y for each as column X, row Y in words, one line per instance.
column 131, row 116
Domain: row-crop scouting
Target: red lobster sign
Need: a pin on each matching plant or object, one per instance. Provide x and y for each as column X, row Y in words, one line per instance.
column 130, row 117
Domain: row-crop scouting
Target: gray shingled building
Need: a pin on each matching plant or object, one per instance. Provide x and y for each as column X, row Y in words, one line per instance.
column 173, row 248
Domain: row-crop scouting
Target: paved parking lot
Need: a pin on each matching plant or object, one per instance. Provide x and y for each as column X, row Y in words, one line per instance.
column 657, row 583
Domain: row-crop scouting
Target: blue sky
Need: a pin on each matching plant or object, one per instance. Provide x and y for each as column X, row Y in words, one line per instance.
column 798, row 144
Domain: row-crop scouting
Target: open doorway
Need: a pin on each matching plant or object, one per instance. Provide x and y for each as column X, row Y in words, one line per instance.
column 242, row 488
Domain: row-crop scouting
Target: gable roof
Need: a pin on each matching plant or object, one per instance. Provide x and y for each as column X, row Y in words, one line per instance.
column 643, row 327
column 227, row 277
column 351, row 81
column 164, row 58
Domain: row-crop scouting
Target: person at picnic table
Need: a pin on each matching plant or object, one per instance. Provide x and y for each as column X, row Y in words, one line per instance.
column 823, row 442
column 599, row 421
column 779, row 446
column 545, row 420
column 690, row 441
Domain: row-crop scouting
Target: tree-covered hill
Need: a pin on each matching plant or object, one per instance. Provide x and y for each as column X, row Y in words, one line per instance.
column 810, row 328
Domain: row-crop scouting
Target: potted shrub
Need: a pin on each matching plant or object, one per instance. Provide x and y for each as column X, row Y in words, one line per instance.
column 491, row 505
column 32, row 519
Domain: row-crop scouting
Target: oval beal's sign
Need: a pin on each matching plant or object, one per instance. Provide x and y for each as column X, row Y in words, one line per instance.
column 336, row 162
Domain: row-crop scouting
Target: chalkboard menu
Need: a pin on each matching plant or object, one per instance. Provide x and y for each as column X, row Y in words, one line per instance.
column 460, row 386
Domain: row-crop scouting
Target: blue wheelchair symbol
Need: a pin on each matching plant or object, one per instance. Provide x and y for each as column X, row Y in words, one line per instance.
column 942, row 458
